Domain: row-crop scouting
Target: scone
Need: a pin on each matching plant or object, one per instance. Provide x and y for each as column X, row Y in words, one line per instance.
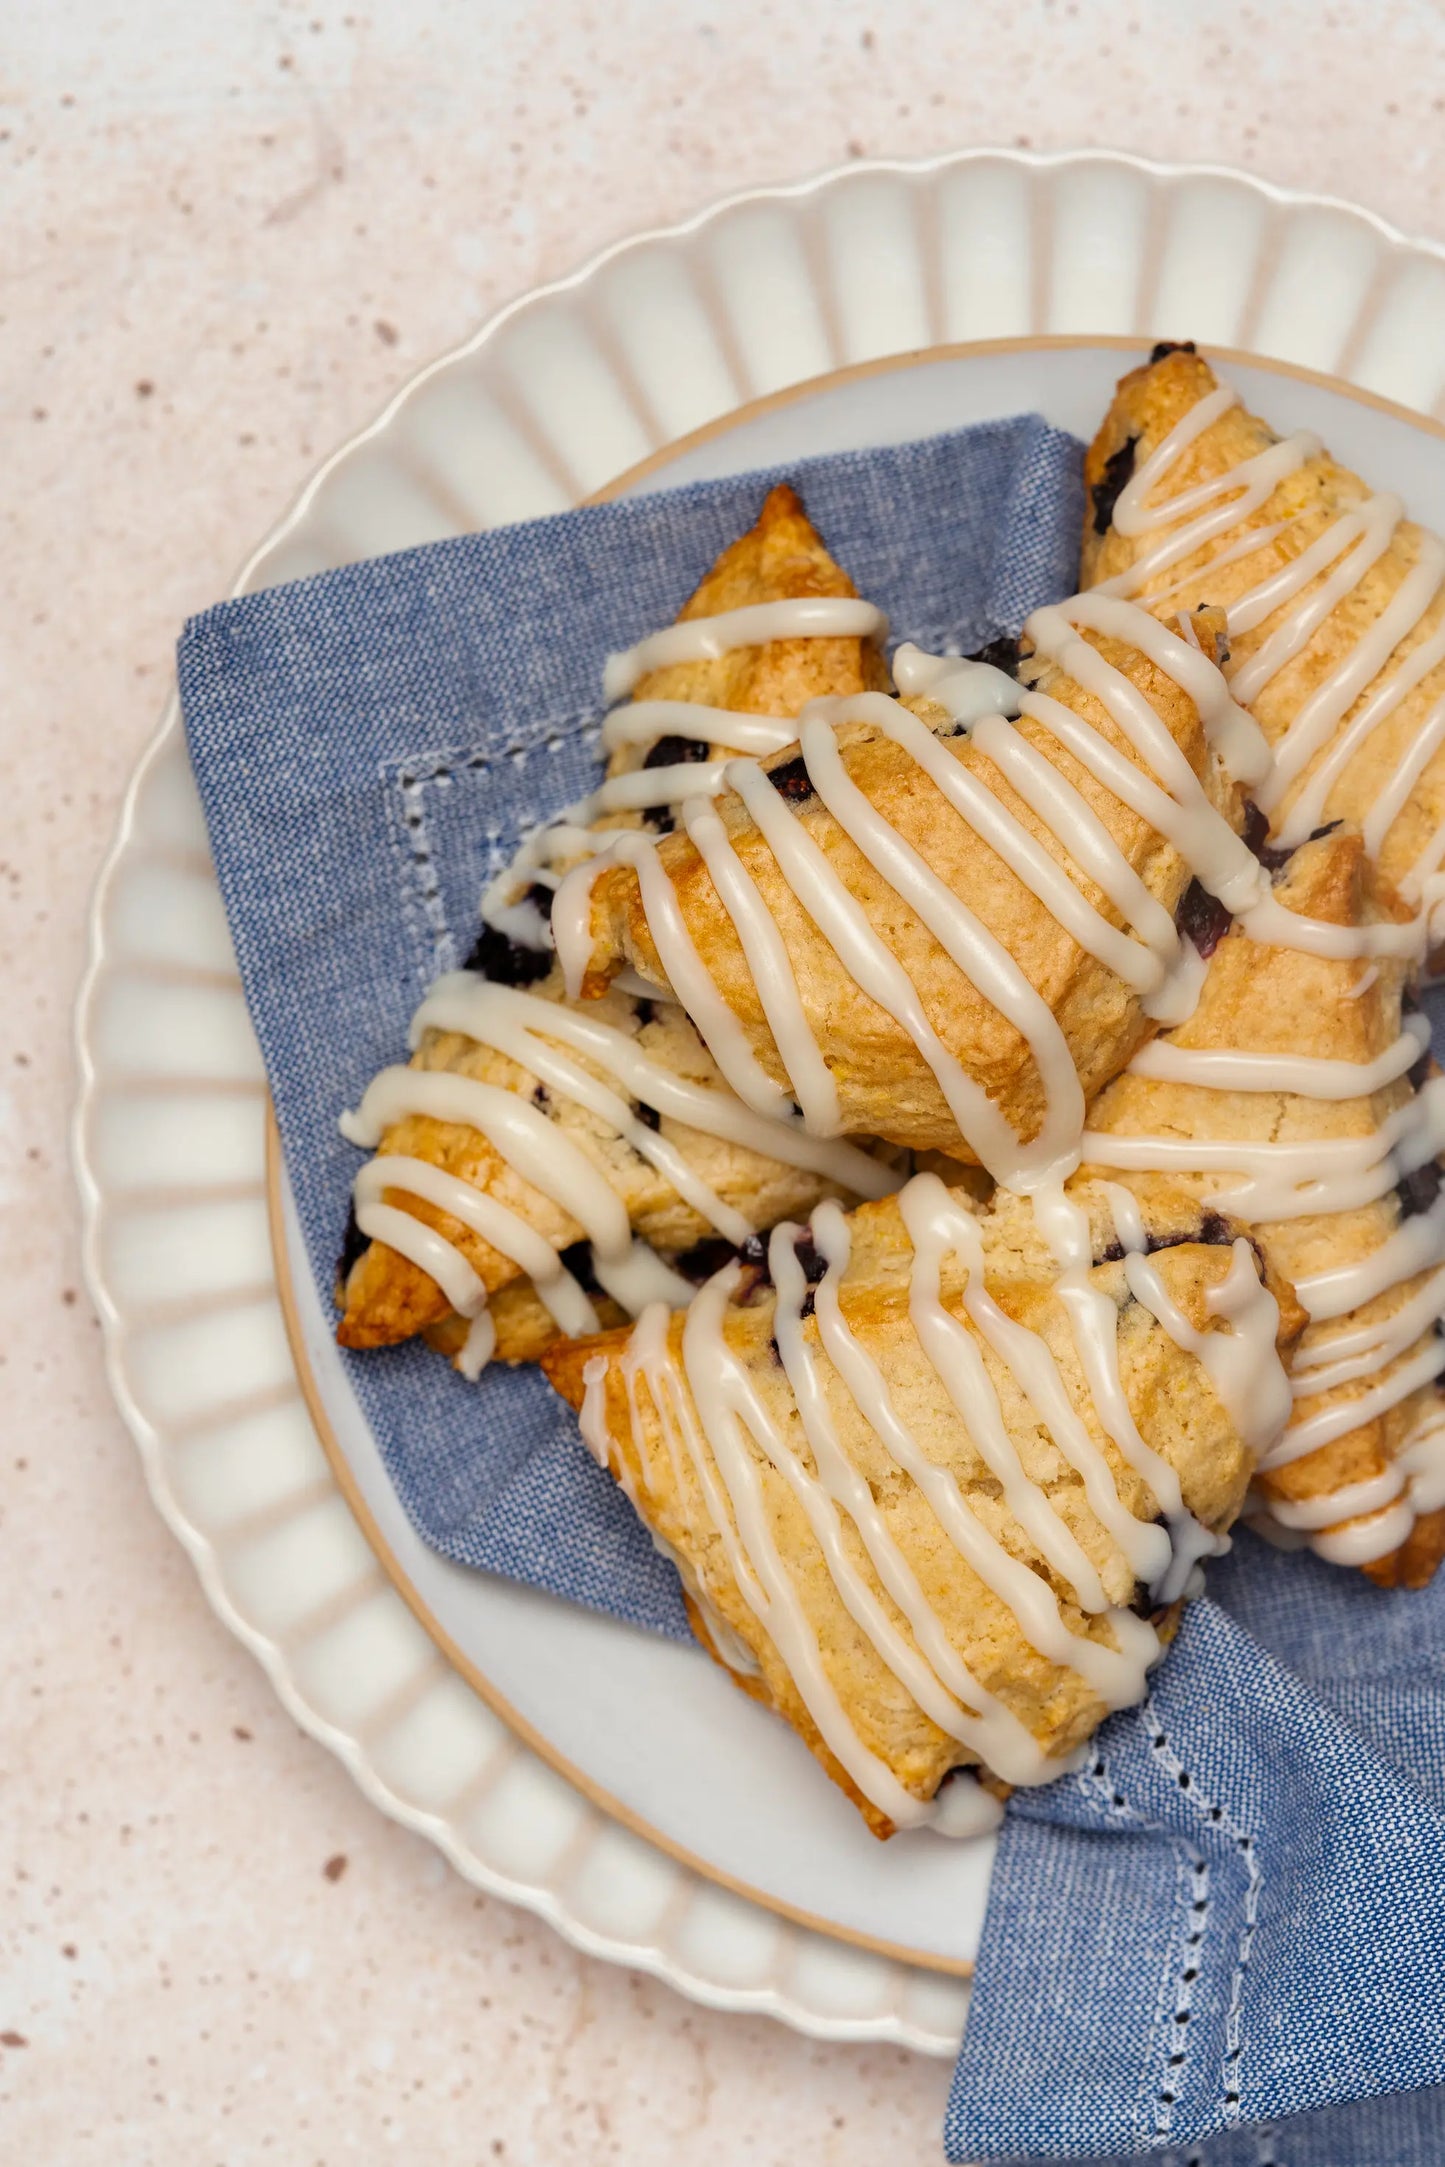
column 1289, row 1098
column 1336, row 602
column 912, row 1511
column 523, row 1131
column 932, row 924
column 737, row 686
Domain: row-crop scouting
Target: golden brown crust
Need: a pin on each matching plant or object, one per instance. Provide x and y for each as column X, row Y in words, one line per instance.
column 385, row 1297
column 1278, row 1001
column 782, row 557
column 1414, row 1564
column 1176, row 1410
column 1149, row 401
column 885, row 1087
column 524, row 1326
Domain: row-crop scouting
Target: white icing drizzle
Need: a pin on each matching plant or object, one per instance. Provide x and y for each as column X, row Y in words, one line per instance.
column 1244, row 488
column 1231, row 730
column 502, row 1229
column 964, row 1374
column 1290, row 1179
column 1416, row 1244
column 927, row 1664
column 1360, row 1542
column 1354, row 700
column 965, row 689
column 962, row 1807
column 507, row 1017
column 1273, row 1181
column 1312, row 757
column 1303, row 1074
column 707, row 639
column 572, row 834
column 1326, row 708
column 643, row 722
column 1214, row 853
column 767, row 958
column 581, row 831
column 1342, row 1416
column 1346, row 1503
column 1242, row 1361
column 969, row 796
column 869, row 960
column 692, row 982
column 937, row 1224
column 718, row 1450
column 479, row 1345
column 1368, row 526
column 1149, row 957
column 1367, row 1346
column 572, row 921
column 1093, row 1321
column 1308, row 811
column 1178, row 995
column 978, row 953
column 1273, row 925
column 1255, row 539
column 528, row 1028
column 1423, row 1459
column 731, row 1411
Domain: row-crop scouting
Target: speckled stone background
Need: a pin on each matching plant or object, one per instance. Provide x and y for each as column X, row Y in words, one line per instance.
column 228, row 232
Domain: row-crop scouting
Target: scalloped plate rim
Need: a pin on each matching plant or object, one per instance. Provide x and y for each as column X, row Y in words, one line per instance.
column 543, row 1902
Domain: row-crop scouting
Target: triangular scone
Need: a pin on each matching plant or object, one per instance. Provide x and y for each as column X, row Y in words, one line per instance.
column 903, row 1515
column 893, row 850
column 1336, row 601
column 780, row 558
column 1353, row 1496
column 386, row 1295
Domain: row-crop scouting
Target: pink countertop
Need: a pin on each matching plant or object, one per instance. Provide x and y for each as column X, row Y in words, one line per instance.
column 229, row 233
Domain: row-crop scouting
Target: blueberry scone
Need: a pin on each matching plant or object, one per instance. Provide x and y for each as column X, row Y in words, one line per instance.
column 1336, row 602
column 936, row 1478
column 1335, row 615
column 946, row 919
column 542, row 1166
column 1296, row 1098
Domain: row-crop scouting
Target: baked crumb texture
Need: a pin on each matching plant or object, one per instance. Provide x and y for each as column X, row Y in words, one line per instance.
column 1336, row 614
column 384, row 1295
column 966, row 1506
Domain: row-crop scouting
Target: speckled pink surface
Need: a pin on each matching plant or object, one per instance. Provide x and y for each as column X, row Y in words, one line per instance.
column 229, row 232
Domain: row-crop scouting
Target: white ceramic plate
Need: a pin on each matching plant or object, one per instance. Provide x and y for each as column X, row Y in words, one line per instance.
column 689, row 1835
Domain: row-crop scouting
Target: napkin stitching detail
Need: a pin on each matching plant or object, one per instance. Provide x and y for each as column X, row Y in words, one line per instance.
column 410, row 776
column 1110, row 1798
column 421, row 866
column 1216, row 1817
column 1176, row 2000
column 550, row 732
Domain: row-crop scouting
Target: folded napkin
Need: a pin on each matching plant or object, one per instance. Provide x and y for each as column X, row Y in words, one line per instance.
column 1235, row 1912
column 1234, row 1917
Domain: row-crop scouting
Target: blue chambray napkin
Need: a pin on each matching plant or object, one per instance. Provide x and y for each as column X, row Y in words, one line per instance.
column 1223, row 1942
column 1235, row 1913
column 371, row 743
